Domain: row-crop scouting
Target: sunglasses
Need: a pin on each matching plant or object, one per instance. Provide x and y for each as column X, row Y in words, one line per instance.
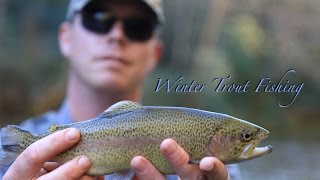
column 135, row 28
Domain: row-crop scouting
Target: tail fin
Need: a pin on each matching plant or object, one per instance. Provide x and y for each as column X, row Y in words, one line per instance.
column 13, row 141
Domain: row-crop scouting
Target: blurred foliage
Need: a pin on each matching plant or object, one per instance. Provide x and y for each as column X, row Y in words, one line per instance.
column 204, row 39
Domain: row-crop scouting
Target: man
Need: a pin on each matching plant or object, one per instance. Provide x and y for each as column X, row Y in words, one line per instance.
column 111, row 46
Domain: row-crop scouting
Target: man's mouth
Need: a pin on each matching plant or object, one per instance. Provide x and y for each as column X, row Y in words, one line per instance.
column 113, row 58
column 112, row 61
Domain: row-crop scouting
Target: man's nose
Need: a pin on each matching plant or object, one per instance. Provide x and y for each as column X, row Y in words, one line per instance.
column 117, row 31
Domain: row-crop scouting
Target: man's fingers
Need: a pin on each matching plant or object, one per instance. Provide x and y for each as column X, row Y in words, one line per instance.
column 30, row 161
column 214, row 169
column 74, row 169
column 179, row 159
column 144, row 169
column 50, row 166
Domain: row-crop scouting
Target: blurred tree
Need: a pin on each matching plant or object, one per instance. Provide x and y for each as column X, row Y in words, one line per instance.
column 2, row 21
column 14, row 95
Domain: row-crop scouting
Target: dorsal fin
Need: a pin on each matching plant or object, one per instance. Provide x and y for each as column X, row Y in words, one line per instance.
column 55, row 127
column 120, row 107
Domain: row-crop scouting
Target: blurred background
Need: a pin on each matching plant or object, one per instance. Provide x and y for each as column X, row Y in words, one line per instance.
column 204, row 39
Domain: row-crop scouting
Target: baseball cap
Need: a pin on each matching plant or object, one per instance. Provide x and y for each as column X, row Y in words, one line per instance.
column 77, row 5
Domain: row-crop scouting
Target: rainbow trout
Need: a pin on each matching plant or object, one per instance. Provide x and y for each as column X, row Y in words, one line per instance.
column 127, row 129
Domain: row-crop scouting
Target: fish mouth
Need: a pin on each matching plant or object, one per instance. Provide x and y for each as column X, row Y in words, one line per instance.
column 251, row 152
column 259, row 151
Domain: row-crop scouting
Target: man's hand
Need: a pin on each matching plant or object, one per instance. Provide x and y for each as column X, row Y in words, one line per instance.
column 33, row 162
column 209, row 167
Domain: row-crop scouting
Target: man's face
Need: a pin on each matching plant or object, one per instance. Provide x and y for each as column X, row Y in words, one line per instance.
column 109, row 61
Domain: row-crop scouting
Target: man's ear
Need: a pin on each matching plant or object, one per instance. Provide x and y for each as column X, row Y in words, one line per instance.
column 64, row 38
column 157, row 53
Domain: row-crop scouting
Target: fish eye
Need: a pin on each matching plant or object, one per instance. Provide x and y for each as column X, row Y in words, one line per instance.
column 246, row 136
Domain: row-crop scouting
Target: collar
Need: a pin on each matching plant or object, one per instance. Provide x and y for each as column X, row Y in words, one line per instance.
column 63, row 116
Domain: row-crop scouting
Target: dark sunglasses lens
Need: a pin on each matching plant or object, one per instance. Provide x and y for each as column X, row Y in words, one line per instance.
column 135, row 28
column 139, row 29
column 98, row 22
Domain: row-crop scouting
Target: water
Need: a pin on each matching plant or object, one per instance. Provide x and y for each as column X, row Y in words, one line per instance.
column 290, row 160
